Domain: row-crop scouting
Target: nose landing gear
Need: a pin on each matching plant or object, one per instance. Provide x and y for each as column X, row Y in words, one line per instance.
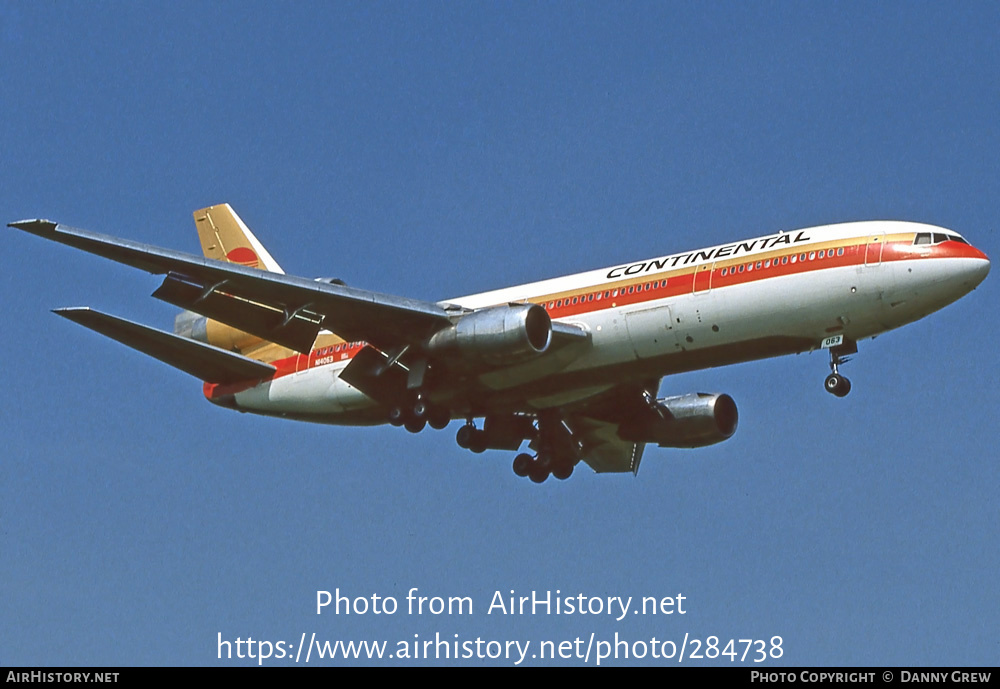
column 835, row 383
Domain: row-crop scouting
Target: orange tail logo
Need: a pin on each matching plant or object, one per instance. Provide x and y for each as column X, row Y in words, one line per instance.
column 244, row 256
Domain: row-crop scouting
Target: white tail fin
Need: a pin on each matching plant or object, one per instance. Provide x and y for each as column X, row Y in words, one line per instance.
column 225, row 237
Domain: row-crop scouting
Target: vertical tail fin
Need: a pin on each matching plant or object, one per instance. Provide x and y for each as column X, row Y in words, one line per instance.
column 225, row 237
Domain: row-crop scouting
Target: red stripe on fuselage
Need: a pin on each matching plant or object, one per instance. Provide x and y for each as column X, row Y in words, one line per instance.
column 665, row 285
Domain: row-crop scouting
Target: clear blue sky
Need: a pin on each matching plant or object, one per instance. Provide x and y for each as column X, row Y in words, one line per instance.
column 439, row 149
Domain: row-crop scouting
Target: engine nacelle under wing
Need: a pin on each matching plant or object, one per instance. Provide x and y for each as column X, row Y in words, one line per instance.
column 497, row 336
column 692, row 420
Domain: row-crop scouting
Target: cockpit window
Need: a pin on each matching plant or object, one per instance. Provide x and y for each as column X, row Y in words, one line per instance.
column 936, row 238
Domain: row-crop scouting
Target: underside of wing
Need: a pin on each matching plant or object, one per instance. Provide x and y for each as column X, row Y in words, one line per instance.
column 603, row 450
column 596, row 425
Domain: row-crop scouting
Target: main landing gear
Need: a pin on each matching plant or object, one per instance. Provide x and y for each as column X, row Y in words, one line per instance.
column 835, row 383
column 557, row 451
column 539, row 467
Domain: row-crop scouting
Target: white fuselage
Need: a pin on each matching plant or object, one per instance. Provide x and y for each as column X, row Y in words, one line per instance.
column 773, row 295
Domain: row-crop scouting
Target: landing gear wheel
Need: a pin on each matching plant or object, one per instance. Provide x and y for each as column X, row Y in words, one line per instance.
column 522, row 464
column 397, row 417
column 438, row 418
column 415, row 425
column 538, row 472
column 465, row 435
column 837, row 384
column 420, row 409
column 563, row 470
column 478, row 443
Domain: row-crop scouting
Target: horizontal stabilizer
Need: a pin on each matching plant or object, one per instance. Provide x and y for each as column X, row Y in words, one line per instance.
column 208, row 363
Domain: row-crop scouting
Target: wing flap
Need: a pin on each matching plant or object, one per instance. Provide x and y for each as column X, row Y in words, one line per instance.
column 208, row 363
column 297, row 331
column 603, row 450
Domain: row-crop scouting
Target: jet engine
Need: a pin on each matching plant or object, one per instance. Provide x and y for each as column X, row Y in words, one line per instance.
column 692, row 420
column 497, row 335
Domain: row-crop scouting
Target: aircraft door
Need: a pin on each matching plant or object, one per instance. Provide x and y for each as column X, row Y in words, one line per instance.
column 703, row 277
column 873, row 250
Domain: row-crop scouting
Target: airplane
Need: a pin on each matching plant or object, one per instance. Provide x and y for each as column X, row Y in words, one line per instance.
column 572, row 365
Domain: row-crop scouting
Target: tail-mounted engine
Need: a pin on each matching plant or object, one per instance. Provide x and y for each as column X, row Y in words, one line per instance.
column 497, row 336
column 692, row 420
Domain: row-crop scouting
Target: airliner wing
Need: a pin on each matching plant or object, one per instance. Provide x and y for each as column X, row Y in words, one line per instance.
column 283, row 301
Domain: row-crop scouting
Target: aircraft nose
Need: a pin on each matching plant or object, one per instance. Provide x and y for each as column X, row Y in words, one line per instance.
column 979, row 267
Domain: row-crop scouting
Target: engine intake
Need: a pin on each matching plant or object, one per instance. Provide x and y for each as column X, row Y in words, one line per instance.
column 692, row 420
column 497, row 335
